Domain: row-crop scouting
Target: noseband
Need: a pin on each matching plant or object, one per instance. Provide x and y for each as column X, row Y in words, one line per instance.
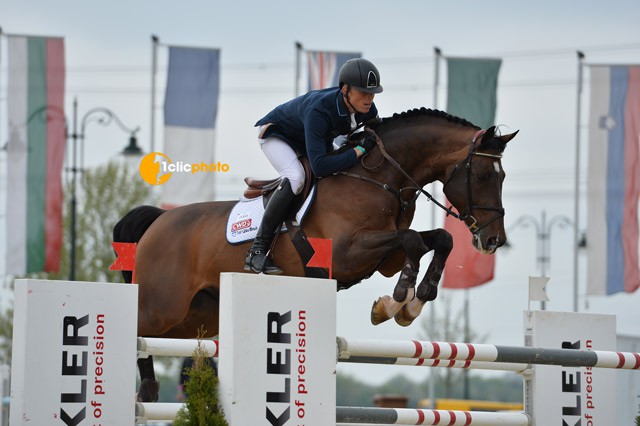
column 474, row 227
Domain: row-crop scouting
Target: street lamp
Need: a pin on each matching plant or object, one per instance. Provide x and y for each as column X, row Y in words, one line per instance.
column 104, row 117
column 543, row 237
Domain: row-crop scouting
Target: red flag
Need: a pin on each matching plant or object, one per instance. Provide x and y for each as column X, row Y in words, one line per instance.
column 466, row 267
column 125, row 258
column 322, row 256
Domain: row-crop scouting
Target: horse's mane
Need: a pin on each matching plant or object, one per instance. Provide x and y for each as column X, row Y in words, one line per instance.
column 400, row 119
column 423, row 112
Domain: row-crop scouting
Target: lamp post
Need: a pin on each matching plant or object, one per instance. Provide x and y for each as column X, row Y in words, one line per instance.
column 104, row 117
column 543, row 237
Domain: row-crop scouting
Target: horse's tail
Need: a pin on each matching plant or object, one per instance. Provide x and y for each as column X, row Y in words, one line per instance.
column 132, row 226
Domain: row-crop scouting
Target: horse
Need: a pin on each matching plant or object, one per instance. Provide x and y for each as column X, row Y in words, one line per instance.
column 366, row 211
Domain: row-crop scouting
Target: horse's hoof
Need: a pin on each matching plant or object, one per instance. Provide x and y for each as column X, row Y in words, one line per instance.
column 149, row 390
column 403, row 318
column 378, row 312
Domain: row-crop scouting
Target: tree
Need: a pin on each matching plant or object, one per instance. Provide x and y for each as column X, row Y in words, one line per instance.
column 108, row 192
column 6, row 332
column 202, row 405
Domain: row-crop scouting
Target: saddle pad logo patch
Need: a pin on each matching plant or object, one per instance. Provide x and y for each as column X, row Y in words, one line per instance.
column 240, row 225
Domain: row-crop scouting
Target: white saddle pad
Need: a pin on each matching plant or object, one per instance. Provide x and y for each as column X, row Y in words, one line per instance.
column 246, row 216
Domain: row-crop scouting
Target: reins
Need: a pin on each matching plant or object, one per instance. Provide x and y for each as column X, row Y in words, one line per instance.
column 420, row 190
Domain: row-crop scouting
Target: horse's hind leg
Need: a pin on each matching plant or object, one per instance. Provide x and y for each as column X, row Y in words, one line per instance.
column 441, row 243
column 203, row 313
column 149, row 387
column 386, row 307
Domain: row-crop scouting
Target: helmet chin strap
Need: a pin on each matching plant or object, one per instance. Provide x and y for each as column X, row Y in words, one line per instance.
column 349, row 100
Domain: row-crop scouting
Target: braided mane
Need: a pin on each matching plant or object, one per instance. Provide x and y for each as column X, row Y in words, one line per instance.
column 424, row 112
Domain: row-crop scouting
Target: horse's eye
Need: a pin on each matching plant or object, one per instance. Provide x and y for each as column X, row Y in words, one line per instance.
column 484, row 176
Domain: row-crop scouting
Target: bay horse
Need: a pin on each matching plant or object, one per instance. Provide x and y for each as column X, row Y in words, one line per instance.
column 366, row 211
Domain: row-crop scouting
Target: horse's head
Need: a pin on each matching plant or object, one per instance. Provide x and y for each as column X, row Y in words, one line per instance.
column 474, row 187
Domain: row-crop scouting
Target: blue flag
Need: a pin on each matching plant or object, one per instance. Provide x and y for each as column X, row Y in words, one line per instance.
column 193, row 84
column 190, row 110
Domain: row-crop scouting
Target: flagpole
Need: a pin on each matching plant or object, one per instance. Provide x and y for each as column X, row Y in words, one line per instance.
column 1, row 35
column 155, row 40
column 5, row 173
column 432, row 313
column 436, row 83
column 299, row 49
column 576, row 207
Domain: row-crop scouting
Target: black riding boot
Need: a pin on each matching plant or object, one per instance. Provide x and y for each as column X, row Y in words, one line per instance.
column 257, row 258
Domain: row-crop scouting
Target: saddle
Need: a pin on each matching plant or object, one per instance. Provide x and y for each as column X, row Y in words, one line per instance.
column 257, row 187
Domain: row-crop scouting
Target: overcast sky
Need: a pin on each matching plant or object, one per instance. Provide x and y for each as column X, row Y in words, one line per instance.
column 108, row 56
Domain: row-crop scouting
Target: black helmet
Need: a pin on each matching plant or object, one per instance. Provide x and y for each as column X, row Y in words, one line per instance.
column 361, row 74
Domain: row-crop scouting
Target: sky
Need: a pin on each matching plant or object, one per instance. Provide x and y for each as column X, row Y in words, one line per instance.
column 108, row 57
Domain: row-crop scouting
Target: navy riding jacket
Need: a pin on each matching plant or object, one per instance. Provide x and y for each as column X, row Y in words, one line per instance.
column 310, row 123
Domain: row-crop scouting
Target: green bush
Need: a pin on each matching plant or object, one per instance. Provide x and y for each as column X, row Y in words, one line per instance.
column 202, row 404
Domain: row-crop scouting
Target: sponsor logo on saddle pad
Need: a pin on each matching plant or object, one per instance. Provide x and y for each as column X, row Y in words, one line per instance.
column 240, row 225
column 156, row 168
column 243, row 221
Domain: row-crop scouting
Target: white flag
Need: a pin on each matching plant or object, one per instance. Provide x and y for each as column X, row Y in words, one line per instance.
column 536, row 289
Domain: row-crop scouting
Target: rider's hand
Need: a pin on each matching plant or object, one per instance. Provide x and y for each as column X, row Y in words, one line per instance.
column 368, row 142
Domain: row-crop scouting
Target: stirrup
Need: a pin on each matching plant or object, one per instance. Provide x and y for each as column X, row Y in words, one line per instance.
column 261, row 264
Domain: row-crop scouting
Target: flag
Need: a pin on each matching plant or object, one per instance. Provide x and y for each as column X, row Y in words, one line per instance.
column 324, row 68
column 35, row 153
column 322, row 256
column 537, row 291
column 190, row 110
column 471, row 94
column 125, row 258
column 613, row 180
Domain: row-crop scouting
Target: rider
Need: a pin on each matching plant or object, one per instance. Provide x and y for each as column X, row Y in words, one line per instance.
column 308, row 125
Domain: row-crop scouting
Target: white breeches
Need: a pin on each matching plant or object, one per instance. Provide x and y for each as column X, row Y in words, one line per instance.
column 284, row 159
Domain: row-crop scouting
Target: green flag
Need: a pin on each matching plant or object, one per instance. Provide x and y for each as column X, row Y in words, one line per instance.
column 471, row 92
column 471, row 89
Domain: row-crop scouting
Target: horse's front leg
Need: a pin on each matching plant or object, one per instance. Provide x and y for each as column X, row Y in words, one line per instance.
column 441, row 243
column 386, row 306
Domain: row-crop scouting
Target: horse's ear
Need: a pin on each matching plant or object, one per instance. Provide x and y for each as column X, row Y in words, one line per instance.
column 507, row 138
column 488, row 135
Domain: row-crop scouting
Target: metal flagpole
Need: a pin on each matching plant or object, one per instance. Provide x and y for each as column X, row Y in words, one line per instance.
column 155, row 40
column 436, row 83
column 576, row 207
column 1, row 35
column 432, row 313
column 299, row 49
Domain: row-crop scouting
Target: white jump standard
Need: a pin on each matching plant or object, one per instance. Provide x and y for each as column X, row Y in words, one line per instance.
column 277, row 359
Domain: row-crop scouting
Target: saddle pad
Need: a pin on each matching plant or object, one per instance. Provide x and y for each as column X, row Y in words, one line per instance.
column 246, row 216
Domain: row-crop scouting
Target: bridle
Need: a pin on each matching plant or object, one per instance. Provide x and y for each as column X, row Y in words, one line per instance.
column 474, row 227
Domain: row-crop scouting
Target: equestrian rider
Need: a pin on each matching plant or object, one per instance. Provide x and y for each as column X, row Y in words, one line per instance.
column 308, row 125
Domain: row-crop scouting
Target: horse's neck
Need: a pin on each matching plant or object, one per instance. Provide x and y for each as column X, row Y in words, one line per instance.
column 427, row 152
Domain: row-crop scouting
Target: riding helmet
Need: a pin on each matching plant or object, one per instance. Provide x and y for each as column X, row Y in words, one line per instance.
column 362, row 74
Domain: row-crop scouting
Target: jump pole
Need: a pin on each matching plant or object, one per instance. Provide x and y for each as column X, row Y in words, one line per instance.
column 468, row 352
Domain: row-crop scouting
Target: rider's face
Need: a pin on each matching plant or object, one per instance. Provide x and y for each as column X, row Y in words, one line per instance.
column 358, row 99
